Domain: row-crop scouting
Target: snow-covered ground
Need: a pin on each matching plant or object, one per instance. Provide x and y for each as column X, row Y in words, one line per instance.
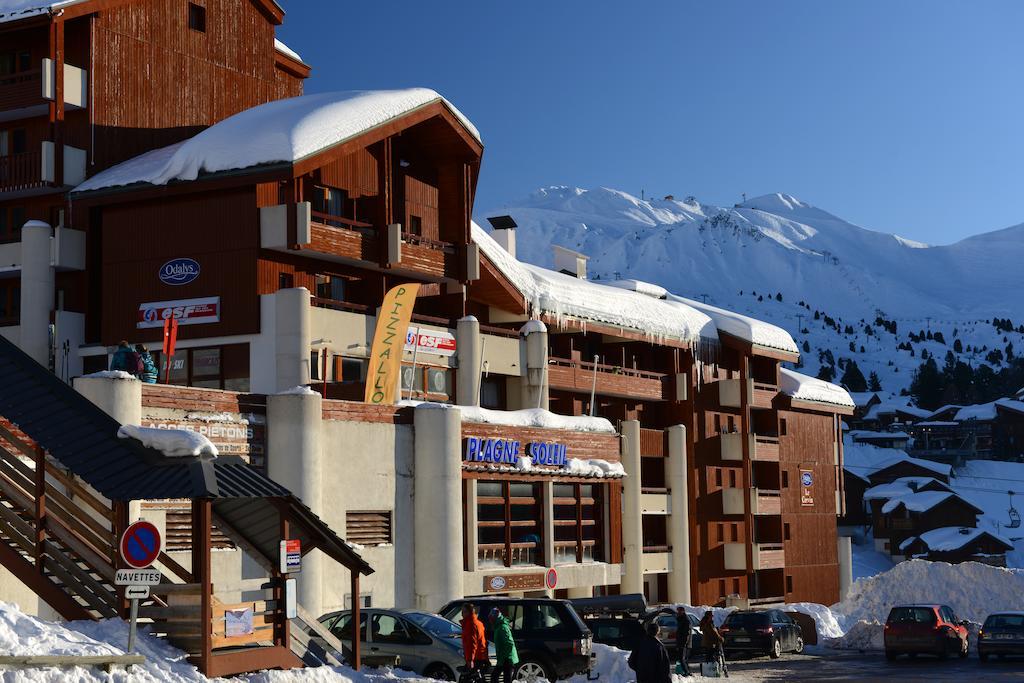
column 739, row 258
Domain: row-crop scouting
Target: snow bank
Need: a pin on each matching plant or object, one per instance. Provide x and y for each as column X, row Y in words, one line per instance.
column 806, row 388
column 174, row 443
column 297, row 391
column 528, row 417
column 285, row 131
column 111, row 374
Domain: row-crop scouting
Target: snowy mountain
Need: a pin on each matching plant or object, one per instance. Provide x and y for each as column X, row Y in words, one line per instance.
column 742, row 257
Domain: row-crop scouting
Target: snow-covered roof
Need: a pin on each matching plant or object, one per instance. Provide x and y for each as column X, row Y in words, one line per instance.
column 755, row 331
column 561, row 296
column 282, row 131
column 980, row 411
column 536, row 417
column 806, row 388
column 922, row 501
column 284, row 49
column 862, row 398
column 935, row 423
column 947, row 407
column 945, row 470
column 891, row 408
column 13, row 10
column 901, row 487
column 863, row 434
column 174, row 443
column 949, row 538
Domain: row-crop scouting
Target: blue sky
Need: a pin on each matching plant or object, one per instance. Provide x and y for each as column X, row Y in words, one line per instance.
column 902, row 116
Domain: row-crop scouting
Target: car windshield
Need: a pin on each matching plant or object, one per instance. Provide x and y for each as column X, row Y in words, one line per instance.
column 746, row 619
column 1008, row 621
column 912, row 615
column 435, row 625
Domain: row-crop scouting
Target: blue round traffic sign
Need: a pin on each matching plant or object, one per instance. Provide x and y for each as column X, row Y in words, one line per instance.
column 140, row 545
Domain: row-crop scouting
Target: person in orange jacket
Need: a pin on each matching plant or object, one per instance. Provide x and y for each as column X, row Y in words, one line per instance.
column 474, row 642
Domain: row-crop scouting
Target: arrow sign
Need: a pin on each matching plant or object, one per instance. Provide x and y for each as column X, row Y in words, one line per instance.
column 136, row 592
column 140, row 545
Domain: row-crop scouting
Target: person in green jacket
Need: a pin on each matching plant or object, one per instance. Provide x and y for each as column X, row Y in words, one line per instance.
column 504, row 646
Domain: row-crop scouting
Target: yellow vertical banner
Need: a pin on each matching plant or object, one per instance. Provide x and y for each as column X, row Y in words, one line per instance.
column 389, row 343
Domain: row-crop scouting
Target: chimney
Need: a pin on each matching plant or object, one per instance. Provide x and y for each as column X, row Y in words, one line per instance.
column 570, row 262
column 504, row 232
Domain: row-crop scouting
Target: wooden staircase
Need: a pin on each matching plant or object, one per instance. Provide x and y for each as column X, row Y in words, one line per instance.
column 58, row 538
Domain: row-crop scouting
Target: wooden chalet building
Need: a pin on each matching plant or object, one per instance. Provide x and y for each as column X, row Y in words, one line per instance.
column 958, row 544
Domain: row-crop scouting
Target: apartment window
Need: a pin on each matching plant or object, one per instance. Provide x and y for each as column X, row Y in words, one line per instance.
column 196, row 17
column 734, row 533
column 427, row 381
column 330, row 201
column 415, row 225
column 732, row 479
column 732, row 424
column 14, row 62
column 349, row 370
column 785, row 479
column 785, row 531
column 721, row 588
column 720, row 528
column 789, row 583
column 285, row 280
column 13, row 141
column 782, row 427
column 492, row 393
column 10, row 301
column 578, row 526
column 718, row 477
column 368, row 528
column 330, row 287
column 718, row 423
column 509, row 520
column 315, row 363
column 12, row 218
column 211, row 367
column 736, row 586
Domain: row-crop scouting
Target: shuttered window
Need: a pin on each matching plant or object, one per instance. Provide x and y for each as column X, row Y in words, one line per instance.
column 368, row 528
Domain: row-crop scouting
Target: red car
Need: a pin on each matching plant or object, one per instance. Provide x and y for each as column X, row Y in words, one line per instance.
column 924, row 629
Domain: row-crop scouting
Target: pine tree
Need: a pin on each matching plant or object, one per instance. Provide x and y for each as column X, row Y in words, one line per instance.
column 874, row 384
column 827, row 373
column 957, row 346
column 807, row 347
column 927, row 385
column 853, row 378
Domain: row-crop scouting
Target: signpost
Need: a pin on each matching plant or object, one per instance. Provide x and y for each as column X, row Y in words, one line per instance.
column 291, row 556
column 140, row 546
column 170, row 340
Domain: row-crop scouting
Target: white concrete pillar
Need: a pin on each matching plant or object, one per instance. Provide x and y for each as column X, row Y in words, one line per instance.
column 632, row 518
column 437, row 506
column 469, row 349
column 678, row 521
column 295, row 449
column 37, row 287
column 292, row 338
column 533, row 360
column 845, row 548
column 121, row 399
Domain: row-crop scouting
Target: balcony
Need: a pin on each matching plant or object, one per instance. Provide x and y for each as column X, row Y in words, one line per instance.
column 655, row 501
column 21, row 95
column 765, row 502
column 769, row 555
column 765, row 448
column 728, row 393
column 20, row 172
column 428, row 256
column 735, row 557
column 731, row 446
column 579, row 377
column 732, row 501
column 762, row 394
column 657, row 559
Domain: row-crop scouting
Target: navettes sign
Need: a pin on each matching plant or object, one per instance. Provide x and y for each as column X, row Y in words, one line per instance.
column 507, row 452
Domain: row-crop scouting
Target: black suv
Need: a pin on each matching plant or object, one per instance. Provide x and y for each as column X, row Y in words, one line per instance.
column 621, row 621
column 766, row 632
column 552, row 641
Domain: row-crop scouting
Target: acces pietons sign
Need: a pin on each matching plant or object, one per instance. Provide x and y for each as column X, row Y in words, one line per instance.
column 179, row 271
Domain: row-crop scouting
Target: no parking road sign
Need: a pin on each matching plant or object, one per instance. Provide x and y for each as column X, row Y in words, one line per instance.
column 140, row 545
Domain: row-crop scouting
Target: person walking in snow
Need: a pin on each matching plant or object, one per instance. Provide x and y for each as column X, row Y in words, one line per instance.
column 649, row 658
column 504, row 645
column 683, row 643
column 711, row 640
column 147, row 368
column 474, row 642
column 125, row 359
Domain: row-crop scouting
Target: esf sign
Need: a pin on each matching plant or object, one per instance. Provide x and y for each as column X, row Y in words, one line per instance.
column 180, row 271
column 185, row 311
column 509, row 451
column 430, row 341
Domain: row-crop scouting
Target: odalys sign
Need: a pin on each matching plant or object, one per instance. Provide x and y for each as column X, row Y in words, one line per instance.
column 388, row 344
column 498, row 451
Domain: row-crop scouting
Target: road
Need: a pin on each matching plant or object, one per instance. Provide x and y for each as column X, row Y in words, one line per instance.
column 842, row 666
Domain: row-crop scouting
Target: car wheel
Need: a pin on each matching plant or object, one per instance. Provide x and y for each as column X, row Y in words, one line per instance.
column 776, row 650
column 890, row 655
column 531, row 671
column 440, row 672
column 799, row 645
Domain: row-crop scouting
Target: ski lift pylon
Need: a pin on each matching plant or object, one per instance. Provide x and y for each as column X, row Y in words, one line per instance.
column 1014, row 515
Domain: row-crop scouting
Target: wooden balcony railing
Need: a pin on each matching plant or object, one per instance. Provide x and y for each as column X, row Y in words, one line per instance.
column 652, row 443
column 770, row 556
column 419, row 240
column 429, row 256
column 21, row 171
column 336, row 305
column 763, row 394
column 767, row 502
column 344, row 237
column 578, row 376
column 657, row 549
column 766, row 448
column 21, row 90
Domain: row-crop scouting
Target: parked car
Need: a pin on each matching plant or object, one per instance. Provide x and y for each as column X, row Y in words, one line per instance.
column 924, row 629
column 765, row 632
column 552, row 640
column 667, row 621
column 620, row 621
column 425, row 643
column 1002, row 634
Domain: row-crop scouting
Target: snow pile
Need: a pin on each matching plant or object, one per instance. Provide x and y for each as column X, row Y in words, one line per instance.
column 111, row 374
column 300, row 390
column 534, row 417
column 562, row 297
column 595, row 468
column 641, row 287
column 174, row 443
column 862, row 635
column 805, row 388
column 285, row 131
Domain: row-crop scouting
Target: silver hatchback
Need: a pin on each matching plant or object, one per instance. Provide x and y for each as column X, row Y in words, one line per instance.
column 424, row 643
